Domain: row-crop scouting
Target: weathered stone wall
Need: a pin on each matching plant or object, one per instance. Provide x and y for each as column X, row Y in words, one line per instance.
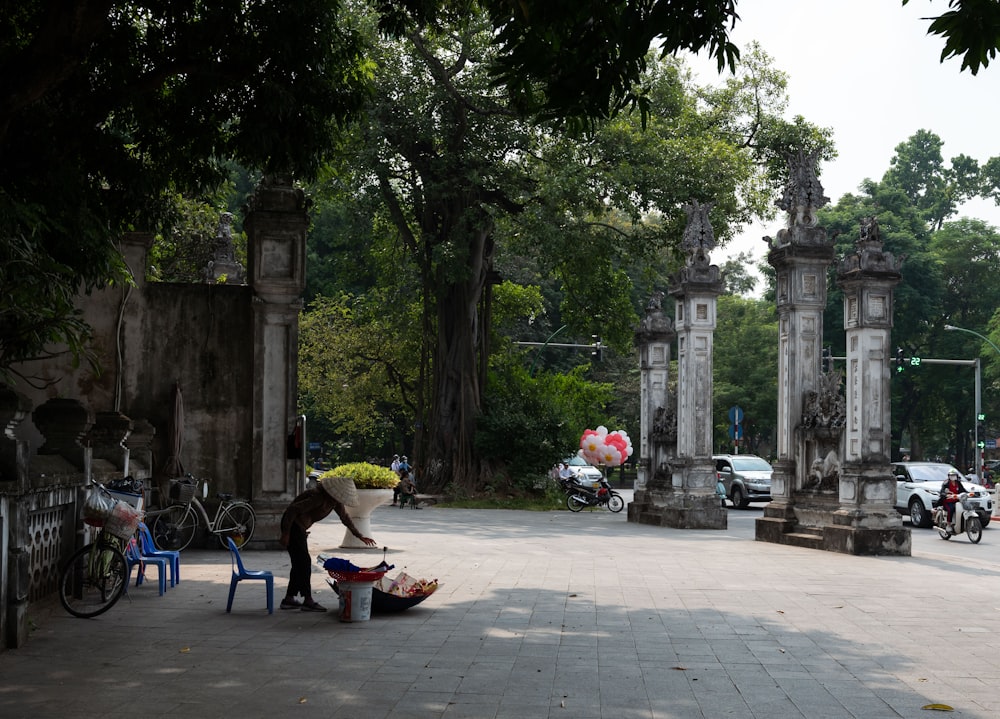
column 150, row 336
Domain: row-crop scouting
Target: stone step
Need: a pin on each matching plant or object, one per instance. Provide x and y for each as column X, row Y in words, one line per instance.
column 805, row 537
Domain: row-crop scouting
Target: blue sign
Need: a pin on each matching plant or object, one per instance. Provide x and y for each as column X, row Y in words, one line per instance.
column 315, row 446
column 991, row 444
column 735, row 431
column 736, row 414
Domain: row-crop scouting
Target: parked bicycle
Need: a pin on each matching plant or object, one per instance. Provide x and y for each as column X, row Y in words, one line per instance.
column 174, row 527
column 97, row 574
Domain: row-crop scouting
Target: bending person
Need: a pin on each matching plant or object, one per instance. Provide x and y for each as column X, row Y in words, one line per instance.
column 331, row 494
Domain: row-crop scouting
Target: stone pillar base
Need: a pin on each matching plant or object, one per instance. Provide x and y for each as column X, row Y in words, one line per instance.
column 679, row 510
column 778, row 520
column 867, row 541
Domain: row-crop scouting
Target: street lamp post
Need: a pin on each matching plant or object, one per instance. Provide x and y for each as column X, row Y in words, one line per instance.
column 987, row 340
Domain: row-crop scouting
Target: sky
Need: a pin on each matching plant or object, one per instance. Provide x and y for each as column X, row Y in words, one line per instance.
column 868, row 70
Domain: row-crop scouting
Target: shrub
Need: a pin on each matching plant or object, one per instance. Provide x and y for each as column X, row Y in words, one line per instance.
column 365, row 475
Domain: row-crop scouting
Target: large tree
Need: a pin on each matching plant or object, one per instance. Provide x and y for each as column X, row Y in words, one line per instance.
column 467, row 184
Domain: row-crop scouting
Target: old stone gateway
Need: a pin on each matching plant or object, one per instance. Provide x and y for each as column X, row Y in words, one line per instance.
column 832, row 486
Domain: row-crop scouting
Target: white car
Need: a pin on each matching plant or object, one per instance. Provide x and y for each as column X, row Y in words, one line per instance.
column 583, row 473
column 918, row 486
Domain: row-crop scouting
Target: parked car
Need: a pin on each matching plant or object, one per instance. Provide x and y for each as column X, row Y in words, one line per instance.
column 746, row 477
column 585, row 473
column 917, row 491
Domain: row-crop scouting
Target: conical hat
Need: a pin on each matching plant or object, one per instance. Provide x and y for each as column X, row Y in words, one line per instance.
column 340, row 488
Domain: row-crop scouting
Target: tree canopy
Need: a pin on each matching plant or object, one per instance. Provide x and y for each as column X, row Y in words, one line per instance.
column 110, row 108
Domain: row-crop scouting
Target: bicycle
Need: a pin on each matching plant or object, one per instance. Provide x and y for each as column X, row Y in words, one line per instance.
column 174, row 527
column 97, row 574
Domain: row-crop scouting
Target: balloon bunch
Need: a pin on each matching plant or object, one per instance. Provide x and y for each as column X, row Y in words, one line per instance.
column 608, row 448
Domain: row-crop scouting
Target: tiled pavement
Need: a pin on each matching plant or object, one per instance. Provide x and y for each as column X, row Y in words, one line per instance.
column 541, row 615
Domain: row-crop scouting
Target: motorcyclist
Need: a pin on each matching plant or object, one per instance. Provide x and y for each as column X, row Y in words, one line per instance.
column 950, row 490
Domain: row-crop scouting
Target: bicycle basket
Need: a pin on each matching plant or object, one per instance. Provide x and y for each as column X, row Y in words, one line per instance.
column 123, row 520
column 183, row 490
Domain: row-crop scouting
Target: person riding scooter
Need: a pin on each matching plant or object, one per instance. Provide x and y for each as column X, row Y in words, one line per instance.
column 950, row 489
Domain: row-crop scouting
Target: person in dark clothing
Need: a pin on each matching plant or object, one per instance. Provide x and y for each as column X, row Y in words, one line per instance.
column 950, row 490
column 332, row 494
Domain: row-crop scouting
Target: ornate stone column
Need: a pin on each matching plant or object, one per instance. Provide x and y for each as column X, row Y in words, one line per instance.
column 800, row 254
column 276, row 224
column 689, row 501
column 696, row 289
column 658, row 409
column 866, row 522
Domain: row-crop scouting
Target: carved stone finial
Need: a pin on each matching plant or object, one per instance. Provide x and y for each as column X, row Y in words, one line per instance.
column 869, row 258
column 223, row 266
column 803, row 193
column 699, row 238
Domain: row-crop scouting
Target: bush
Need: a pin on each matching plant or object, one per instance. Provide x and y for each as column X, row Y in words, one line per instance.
column 365, row 475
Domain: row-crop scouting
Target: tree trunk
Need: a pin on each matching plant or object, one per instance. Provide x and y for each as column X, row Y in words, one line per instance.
column 457, row 387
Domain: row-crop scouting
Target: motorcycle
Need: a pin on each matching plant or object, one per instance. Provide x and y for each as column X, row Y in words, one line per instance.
column 966, row 520
column 599, row 494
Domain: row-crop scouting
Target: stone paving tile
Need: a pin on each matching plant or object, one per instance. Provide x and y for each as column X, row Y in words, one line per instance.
column 541, row 615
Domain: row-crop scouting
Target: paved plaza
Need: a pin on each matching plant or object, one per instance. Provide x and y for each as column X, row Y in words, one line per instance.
column 542, row 615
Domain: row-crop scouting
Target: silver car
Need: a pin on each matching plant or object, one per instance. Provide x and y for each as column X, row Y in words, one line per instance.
column 746, row 477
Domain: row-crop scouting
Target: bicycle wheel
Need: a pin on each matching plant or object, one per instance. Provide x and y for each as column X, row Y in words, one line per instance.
column 174, row 529
column 93, row 580
column 236, row 521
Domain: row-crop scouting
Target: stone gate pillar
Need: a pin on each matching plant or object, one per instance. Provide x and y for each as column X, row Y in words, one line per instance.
column 658, row 408
column 866, row 522
column 800, row 254
column 689, row 501
column 276, row 225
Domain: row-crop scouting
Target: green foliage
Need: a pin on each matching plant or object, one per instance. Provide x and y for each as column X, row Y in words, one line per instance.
column 357, row 365
column 971, row 29
column 108, row 110
column 182, row 253
column 746, row 328
column 530, row 423
column 365, row 475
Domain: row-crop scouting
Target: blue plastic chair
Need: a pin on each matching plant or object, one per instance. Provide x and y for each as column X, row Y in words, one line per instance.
column 240, row 573
column 134, row 558
column 148, row 549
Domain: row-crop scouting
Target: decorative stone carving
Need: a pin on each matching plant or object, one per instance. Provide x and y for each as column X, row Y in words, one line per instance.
column 824, row 415
column 869, row 258
column 664, row 431
column 803, row 194
column 654, row 325
column 698, row 240
column 825, row 408
column 223, row 266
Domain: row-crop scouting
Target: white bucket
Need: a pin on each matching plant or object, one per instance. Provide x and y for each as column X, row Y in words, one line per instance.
column 355, row 601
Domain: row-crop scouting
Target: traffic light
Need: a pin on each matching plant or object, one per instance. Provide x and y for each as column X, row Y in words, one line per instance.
column 827, row 360
column 900, row 363
column 598, row 352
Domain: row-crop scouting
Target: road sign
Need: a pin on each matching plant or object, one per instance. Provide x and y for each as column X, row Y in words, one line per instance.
column 735, row 414
column 735, row 431
column 991, row 444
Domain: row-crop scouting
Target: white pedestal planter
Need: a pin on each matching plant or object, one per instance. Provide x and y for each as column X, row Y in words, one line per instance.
column 368, row 500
